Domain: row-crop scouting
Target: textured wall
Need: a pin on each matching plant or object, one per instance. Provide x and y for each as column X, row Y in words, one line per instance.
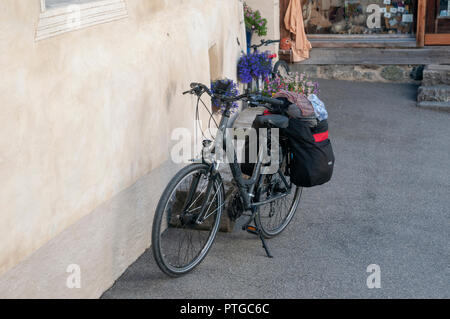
column 85, row 114
column 364, row 72
column 103, row 244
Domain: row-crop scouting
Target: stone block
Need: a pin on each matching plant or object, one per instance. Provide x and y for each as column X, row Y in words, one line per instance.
column 436, row 75
column 436, row 93
column 392, row 73
column 442, row 106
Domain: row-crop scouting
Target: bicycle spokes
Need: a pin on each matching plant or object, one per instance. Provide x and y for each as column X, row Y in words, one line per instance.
column 184, row 237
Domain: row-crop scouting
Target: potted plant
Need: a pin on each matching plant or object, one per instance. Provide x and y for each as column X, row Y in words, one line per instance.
column 254, row 66
column 253, row 23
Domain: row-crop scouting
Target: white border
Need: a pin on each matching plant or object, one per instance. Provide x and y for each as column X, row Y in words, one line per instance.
column 56, row 21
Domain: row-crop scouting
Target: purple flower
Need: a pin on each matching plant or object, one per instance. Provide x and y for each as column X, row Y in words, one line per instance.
column 254, row 66
column 225, row 87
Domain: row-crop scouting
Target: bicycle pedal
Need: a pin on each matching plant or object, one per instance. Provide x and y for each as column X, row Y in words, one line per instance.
column 252, row 230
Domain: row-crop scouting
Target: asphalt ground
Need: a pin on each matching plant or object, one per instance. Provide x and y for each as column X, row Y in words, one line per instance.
column 388, row 204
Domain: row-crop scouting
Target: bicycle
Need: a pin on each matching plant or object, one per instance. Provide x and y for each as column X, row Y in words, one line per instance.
column 281, row 68
column 192, row 204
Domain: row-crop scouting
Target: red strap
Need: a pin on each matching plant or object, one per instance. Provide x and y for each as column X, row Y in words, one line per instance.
column 320, row 137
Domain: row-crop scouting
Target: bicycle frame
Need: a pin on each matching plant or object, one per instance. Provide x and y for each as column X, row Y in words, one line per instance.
column 250, row 190
column 246, row 187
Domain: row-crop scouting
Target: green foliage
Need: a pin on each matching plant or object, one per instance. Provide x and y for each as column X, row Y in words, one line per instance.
column 254, row 22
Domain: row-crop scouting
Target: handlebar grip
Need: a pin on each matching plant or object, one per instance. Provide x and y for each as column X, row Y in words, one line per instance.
column 195, row 84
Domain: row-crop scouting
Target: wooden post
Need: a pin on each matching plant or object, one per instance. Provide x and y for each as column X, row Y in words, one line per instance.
column 283, row 8
column 420, row 34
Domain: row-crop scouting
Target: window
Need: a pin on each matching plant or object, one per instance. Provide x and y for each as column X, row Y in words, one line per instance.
column 49, row 4
column 444, row 8
column 360, row 16
column 60, row 16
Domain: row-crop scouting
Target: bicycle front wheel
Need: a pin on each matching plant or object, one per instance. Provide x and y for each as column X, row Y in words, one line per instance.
column 179, row 241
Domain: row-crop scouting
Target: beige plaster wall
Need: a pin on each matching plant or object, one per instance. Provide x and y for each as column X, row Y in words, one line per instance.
column 270, row 9
column 102, row 244
column 85, row 114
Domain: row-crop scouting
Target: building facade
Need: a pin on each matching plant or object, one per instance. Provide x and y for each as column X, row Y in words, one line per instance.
column 372, row 40
column 90, row 93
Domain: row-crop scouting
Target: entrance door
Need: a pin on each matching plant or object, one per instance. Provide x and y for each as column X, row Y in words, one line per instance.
column 437, row 27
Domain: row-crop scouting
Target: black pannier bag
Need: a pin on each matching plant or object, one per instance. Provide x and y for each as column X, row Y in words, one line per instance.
column 312, row 159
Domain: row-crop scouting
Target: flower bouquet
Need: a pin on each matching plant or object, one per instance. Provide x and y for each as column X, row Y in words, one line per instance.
column 225, row 87
column 254, row 66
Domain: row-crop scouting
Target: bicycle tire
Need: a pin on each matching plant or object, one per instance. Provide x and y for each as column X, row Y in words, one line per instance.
column 162, row 260
column 281, row 68
column 284, row 222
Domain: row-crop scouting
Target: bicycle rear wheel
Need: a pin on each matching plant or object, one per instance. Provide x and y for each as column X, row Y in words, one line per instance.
column 179, row 244
column 274, row 217
column 281, row 68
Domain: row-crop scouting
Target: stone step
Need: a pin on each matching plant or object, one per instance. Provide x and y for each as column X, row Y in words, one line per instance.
column 442, row 106
column 435, row 93
column 436, row 75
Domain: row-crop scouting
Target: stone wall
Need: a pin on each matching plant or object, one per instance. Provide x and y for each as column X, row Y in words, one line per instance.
column 369, row 73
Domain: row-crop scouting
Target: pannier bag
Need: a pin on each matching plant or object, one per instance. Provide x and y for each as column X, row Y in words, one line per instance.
column 312, row 160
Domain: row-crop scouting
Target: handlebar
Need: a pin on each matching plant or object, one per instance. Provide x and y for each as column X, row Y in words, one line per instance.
column 260, row 98
column 199, row 88
column 264, row 43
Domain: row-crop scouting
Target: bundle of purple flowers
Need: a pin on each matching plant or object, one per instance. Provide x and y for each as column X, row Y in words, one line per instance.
column 225, row 87
column 254, row 66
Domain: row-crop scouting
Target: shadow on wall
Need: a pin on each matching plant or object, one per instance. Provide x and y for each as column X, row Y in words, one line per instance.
column 215, row 63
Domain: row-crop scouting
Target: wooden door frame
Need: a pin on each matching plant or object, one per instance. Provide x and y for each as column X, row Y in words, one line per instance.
column 426, row 27
column 421, row 22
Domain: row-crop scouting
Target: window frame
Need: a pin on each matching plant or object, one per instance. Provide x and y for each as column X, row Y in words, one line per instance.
column 59, row 20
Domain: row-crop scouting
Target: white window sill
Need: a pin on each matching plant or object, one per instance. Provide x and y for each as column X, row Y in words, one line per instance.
column 55, row 21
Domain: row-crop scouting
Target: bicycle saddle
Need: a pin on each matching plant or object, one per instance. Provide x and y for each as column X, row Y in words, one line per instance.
column 273, row 120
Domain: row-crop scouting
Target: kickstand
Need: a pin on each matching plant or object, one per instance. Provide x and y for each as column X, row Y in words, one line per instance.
column 264, row 244
column 257, row 231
